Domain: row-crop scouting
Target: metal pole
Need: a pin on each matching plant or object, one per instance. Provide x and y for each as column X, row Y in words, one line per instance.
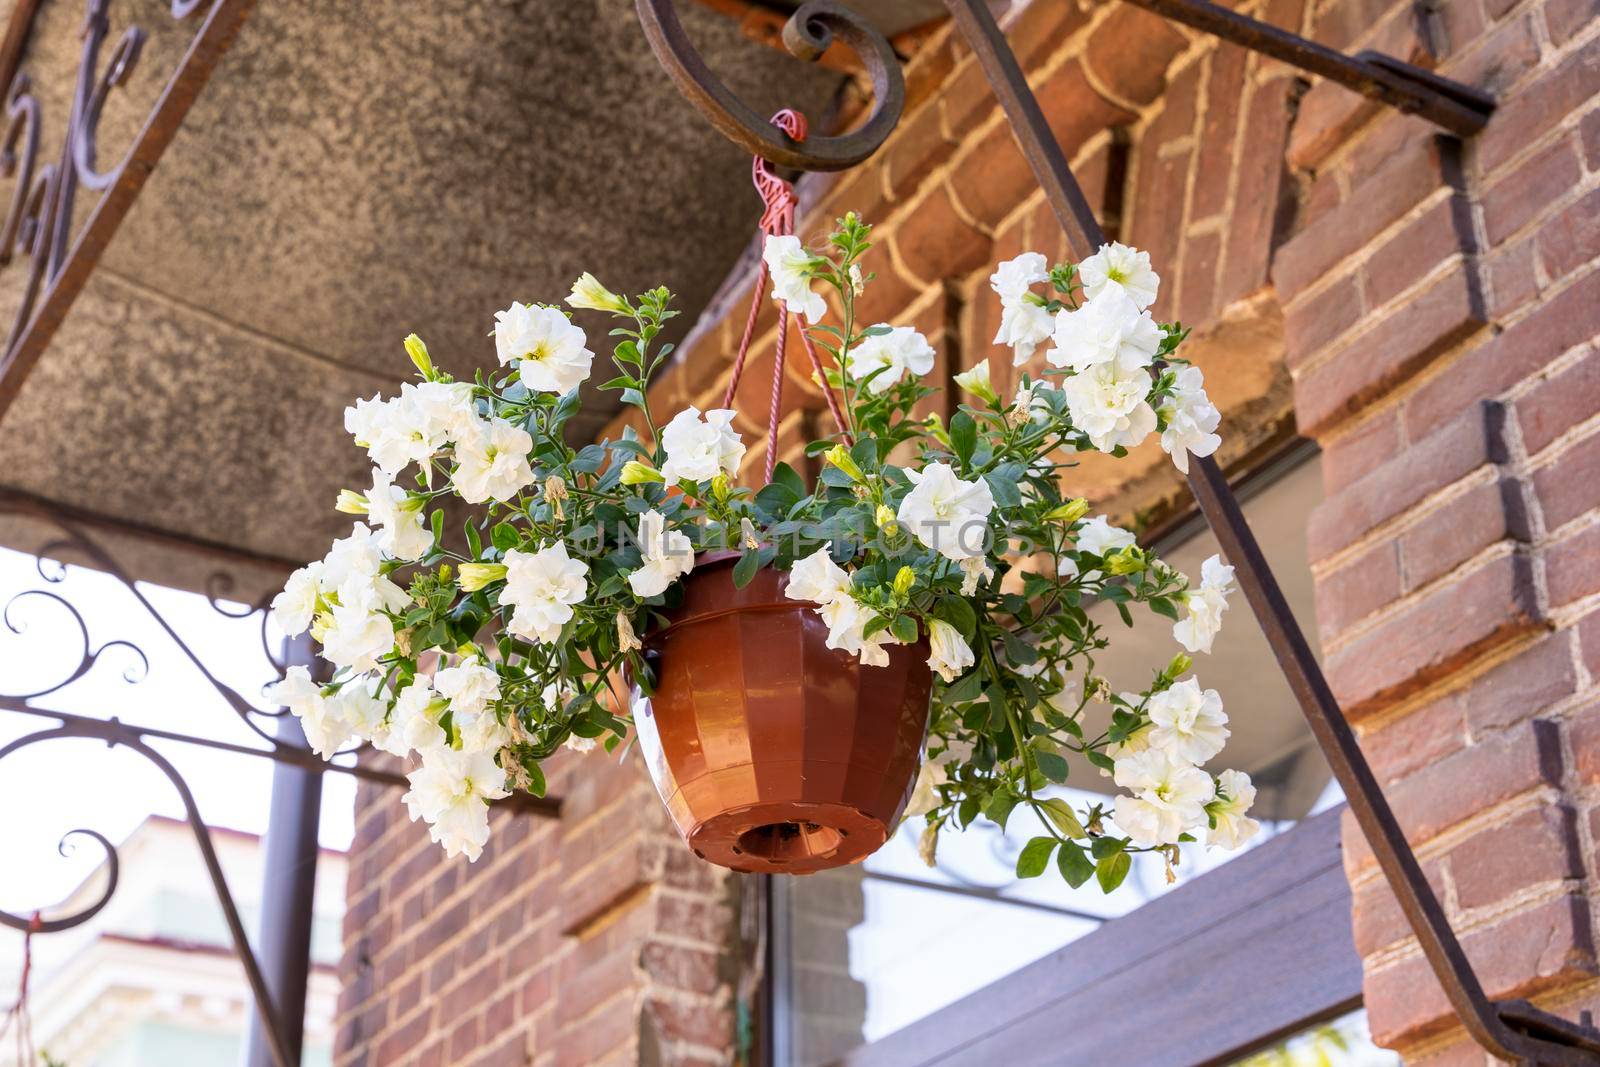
column 288, row 885
column 1332, row 731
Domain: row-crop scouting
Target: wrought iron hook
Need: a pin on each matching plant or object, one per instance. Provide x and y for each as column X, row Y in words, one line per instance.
column 808, row 33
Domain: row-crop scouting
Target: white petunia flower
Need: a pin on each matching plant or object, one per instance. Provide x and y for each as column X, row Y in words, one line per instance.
column 1235, row 794
column 550, row 352
column 951, row 656
column 1024, row 326
column 975, row 380
column 1169, row 797
column 357, row 555
column 293, row 608
column 398, row 517
column 891, row 354
column 450, row 791
column 847, row 622
column 1199, row 627
column 699, row 448
column 947, row 514
column 974, row 570
column 364, row 418
column 579, row 744
column 368, row 716
column 790, row 266
column 359, row 632
column 667, row 554
column 415, row 425
column 542, row 586
column 1192, row 419
column 925, row 793
column 492, row 462
column 817, row 578
column 469, row 686
column 1012, row 279
column 1096, row 537
column 321, row 718
column 415, row 720
column 1107, row 402
column 1189, row 724
column 1107, row 329
column 1120, row 268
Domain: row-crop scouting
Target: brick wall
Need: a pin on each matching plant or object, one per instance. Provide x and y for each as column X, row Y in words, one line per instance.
column 1425, row 309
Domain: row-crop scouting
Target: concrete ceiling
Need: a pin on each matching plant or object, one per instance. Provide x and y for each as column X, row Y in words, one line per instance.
column 354, row 172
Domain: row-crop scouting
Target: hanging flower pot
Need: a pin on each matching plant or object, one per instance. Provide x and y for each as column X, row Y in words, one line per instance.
column 792, row 680
column 773, row 752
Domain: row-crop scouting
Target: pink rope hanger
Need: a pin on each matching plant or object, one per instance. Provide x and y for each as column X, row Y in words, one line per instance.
column 778, row 220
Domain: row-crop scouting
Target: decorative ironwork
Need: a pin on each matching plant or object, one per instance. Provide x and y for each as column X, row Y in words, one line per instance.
column 115, row 733
column 807, row 35
column 38, row 226
column 1516, row 1030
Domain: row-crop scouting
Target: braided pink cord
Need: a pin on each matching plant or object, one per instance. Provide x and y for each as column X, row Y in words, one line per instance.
column 778, row 220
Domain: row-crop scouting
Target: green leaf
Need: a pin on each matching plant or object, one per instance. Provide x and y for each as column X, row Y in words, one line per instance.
column 474, row 542
column 1074, row 866
column 504, row 536
column 1106, row 847
column 904, row 629
column 746, row 568
column 965, row 690
column 1110, row 871
column 1060, row 812
column 1162, row 606
column 1035, row 857
column 1052, row 766
column 1003, row 485
column 436, row 524
column 1101, row 760
column 957, row 611
column 998, row 809
column 963, row 435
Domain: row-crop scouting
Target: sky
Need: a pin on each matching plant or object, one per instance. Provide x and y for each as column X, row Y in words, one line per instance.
column 65, row 784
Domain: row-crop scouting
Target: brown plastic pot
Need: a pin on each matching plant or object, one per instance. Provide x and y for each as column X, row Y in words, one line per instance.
column 772, row 752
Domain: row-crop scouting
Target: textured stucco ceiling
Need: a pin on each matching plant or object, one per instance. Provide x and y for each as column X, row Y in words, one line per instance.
column 355, row 171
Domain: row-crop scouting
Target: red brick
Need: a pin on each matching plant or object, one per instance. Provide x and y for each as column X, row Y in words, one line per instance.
column 1509, row 271
column 1462, row 528
column 1129, row 52
column 1564, row 18
column 1522, row 686
column 1567, row 486
column 1157, row 222
column 1358, row 588
column 1583, row 731
column 1571, row 239
column 1198, row 292
column 1519, row 197
column 1421, row 245
column 1375, row 917
column 1559, row 402
column 1488, row 370
column 1474, row 438
column 918, row 146
column 1537, row 846
column 695, row 1021
column 1589, row 642
column 1467, row 1053
column 1262, row 196
column 1445, row 629
column 1589, row 134
column 1311, row 325
column 1524, row 116
column 1408, row 338
column 1403, row 745
column 1352, row 455
column 1572, row 566
column 1546, row 946
column 1405, row 181
column 1329, row 114
column 1214, row 167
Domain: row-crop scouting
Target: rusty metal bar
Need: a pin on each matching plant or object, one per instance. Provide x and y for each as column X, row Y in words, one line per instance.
column 113, row 730
column 1458, row 108
column 216, row 34
column 1553, row 1041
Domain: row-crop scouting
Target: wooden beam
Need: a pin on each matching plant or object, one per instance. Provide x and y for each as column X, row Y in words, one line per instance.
column 1241, row 957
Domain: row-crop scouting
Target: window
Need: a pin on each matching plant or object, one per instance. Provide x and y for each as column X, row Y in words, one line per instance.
column 860, row 953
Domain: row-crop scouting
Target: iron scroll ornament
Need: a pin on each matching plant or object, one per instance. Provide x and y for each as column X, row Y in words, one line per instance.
column 808, row 33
